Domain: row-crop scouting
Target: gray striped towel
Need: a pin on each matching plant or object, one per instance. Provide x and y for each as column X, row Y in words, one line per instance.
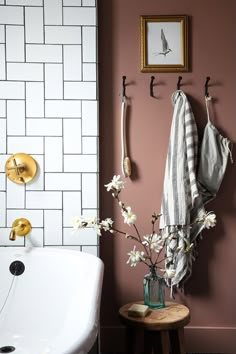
column 180, row 189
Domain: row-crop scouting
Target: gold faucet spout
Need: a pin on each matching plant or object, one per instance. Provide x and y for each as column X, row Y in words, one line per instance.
column 12, row 236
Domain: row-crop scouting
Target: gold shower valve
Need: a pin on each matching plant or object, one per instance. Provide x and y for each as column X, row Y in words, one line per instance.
column 20, row 168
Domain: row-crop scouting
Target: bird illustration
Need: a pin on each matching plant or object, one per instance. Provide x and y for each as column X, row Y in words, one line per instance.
column 165, row 45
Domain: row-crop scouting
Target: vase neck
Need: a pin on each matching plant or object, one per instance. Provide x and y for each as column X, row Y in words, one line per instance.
column 153, row 269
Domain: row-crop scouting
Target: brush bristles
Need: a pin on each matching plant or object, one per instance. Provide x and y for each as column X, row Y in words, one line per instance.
column 127, row 167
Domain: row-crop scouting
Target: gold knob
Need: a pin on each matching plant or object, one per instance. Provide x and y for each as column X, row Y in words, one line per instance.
column 20, row 168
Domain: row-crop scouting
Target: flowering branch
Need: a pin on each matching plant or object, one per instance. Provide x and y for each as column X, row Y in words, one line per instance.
column 153, row 243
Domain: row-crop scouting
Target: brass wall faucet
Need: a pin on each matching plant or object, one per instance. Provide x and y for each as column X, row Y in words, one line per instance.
column 20, row 227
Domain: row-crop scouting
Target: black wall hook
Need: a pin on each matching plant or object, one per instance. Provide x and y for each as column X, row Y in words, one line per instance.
column 206, row 86
column 178, row 83
column 151, row 86
column 123, row 86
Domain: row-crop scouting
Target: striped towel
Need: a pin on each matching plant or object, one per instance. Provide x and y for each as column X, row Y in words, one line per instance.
column 180, row 189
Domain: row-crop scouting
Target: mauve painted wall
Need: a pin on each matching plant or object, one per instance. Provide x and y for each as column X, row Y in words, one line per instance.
column 211, row 292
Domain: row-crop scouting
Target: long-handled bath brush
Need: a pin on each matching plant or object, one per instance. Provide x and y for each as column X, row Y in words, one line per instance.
column 125, row 160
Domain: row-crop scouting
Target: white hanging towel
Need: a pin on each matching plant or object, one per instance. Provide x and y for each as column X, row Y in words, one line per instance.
column 180, row 186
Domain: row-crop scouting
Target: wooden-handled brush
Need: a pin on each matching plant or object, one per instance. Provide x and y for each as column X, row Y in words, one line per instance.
column 125, row 160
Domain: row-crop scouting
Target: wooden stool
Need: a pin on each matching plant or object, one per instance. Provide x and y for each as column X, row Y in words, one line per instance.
column 163, row 329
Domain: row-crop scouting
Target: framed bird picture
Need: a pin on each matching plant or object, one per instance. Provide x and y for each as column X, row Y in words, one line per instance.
column 163, row 43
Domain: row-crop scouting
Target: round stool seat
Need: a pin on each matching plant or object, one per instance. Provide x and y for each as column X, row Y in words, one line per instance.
column 163, row 328
column 171, row 316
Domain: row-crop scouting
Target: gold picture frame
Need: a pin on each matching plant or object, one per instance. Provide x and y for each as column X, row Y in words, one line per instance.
column 163, row 43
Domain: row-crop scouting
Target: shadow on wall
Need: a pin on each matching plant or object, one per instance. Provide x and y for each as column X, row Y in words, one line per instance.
column 106, row 155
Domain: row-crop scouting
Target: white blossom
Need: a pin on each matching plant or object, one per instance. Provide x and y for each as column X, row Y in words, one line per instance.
column 91, row 221
column 209, row 220
column 154, row 242
column 106, row 224
column 135, row 257
column 81, row 222
column 98, row 229
column 169, row 273
column 115, row 184
column 78, row 223
column 129, row 217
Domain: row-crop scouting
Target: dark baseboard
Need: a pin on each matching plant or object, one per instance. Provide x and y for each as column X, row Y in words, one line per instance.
column 198, row 340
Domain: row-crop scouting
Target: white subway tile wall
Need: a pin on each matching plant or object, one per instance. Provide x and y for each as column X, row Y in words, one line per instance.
column 89, row 44
column 53, row 154
column 63, row 108
column 72, row 62
column 71, row 202
column 35, row 238
column 63, row 34
column 53, row 12
column 24, row 72
column 79, row 16
column 89, row 2
column 3, row 156
column 2, row 60
column 46, row 127
column 72, row 2
column 72, row 136
column 25, row 2
column 2, row 182
column 2, row 109
column 52, row 230
column 43, row 53
column 12, row 15
column 2, row 34
column 16, row 124
column 34, row 29
column 35, row 216
column 31, row 145
column 49, row 110
column 35, row 99
column 12, row 90
column 38, row 182
column 15, row 196
column 3, row 209
column 3, row 138
column 54, row 81
column 15, row 48
column 89, row 72
column 80, row 90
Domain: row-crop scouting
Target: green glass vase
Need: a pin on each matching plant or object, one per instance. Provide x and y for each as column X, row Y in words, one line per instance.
column 154, row 289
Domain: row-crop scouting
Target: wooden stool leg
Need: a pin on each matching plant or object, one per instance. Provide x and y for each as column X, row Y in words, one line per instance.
column 160, row 342
column 130, row 340
column 165, row 342
column 148, row 342
column 177, row 341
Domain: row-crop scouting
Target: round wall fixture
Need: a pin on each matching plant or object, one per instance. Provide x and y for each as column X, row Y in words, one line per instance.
column 20, row 168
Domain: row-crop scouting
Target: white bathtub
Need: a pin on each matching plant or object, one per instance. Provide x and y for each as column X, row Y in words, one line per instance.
column 53, row 307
